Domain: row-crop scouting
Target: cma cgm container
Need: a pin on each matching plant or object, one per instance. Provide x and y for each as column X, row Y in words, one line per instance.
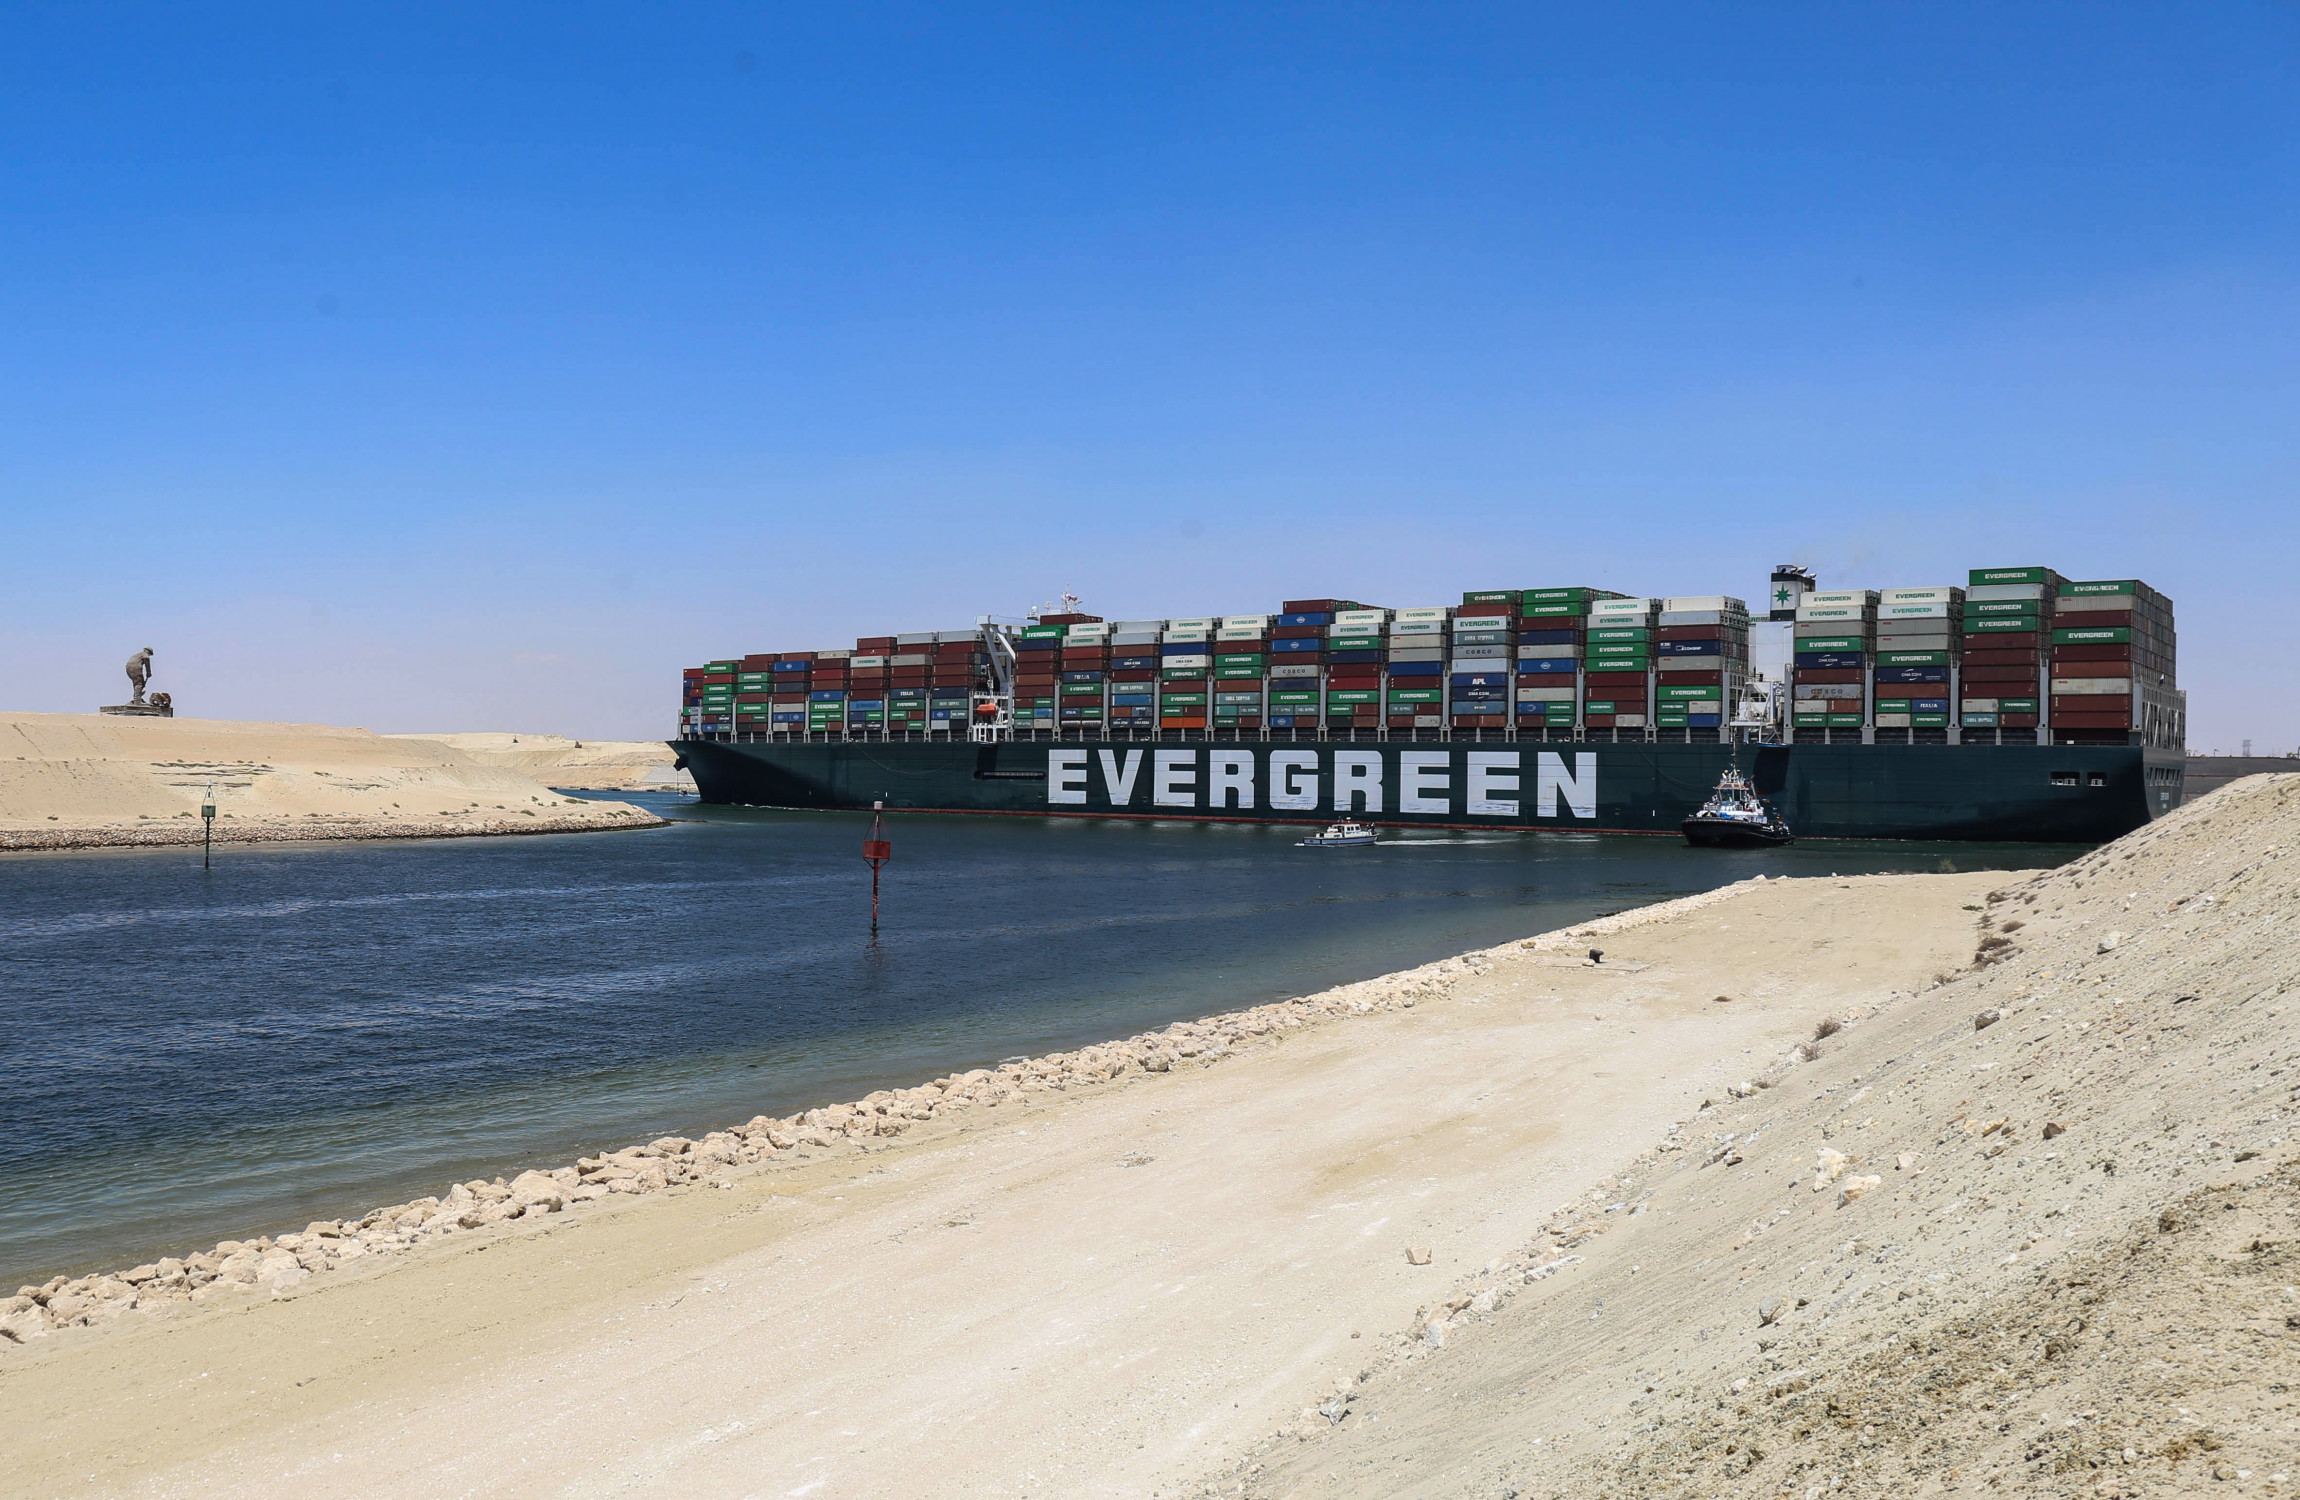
column 2021, row 705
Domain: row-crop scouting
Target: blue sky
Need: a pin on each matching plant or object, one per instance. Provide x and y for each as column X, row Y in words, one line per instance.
column 454, row 368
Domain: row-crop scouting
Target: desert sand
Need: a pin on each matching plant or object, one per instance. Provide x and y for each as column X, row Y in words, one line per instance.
column 1881, row 1186
column 87, row 780
column 577, row 765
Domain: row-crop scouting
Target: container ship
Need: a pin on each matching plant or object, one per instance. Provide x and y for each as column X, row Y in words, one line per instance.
column 2021, row 706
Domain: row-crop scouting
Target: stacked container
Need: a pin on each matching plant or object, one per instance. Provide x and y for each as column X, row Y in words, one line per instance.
column 1357, row 648
column 1241, row 671
column 1829, row 672
column 1617, row 666
column 1920, row 633
column 1551, row 629
column 1414, row 682
column 1700, row 660
column 1132, row 674
column 2114, row 666
column 2007, row 624
column 1038, row 675
column 1298, row 662
column 1482, row 658
column 1185, row 672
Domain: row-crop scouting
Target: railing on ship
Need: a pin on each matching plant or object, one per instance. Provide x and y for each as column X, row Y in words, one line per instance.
column 1220, row 736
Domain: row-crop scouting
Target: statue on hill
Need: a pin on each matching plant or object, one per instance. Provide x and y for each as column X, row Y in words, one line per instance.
column 158, row 706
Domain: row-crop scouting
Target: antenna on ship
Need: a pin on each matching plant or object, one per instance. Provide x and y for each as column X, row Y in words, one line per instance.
column 877, row 850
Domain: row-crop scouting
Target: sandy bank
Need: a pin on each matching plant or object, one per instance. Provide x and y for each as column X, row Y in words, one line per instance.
column 87, row 780
column 1104, row 1285
column 1511, row 1221
column 579, row 765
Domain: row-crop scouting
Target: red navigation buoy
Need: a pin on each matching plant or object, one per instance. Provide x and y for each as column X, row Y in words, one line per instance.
column 877, row 850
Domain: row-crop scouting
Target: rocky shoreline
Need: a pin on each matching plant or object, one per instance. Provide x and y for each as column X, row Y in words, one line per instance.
column 176, row 835
column 275, row 1264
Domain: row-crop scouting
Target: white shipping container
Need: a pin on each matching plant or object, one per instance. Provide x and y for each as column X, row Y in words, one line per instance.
column 1292, row 669
column 1417, row 627
column 1482, row 653
column 1629, row 721
column 1733, row 623
column 1723, row 603
column 1980, row 591
column 834, row 656
column 1977, row 705
column 1417, row 653
column 1939, row 611
column 1432, row 612
column 1240, row 632
column 916, row 638
column 2085, row 602
column 1554, row 653
column 1892, row 721
column 910, row 659
column 1241, row 622
column 1185, row 661
column 1945, row 594
column 1207, row 623
column 1361, row 616
column 1139, row 638
column 1546, row 694
column 2062, row 685
column 1828, row 690
column 1838, row 596
column 1833, row 613
column 1134, row 627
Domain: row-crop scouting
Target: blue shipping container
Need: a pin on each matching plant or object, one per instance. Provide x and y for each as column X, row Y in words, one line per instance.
column 1547, row 664
column 1912, row 674
column 1417, row 669
column 1080, row 677
column 1317, row 619
column 1689, row 648
column 1481, row 679
column 1704, row 721
column 1548, row 637
column 827, row 695
column 1132, row 663
column 1929, row 705
column 1298, row 643
column 1830, row 661
column 1347, row 657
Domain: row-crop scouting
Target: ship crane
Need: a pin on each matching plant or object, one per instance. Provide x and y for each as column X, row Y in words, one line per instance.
column 993, row 716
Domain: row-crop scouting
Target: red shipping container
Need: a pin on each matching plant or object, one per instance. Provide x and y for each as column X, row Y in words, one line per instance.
column 2026, row 673
column 2009, row 640
column 1596, row 680
column 1293, row 633
column 718, row 677
column 1697, row 679
column 693, row 674
column 1228, row 648
column 1401, row 721
column 1181, row 721
column 2091, row 721
column 874, row 645
column 758, row 663
column 2090, row 653
column 1485, row 612
column 1826, row 675
column 1691, row 633
column 2093, row 619
column 1357, row 677
column 2090, row 703
column 1188, row 684
column 1979, row 658
column 1598, row 721
column 1543, row 679
column 1070, row 619
column 1136, row 674
column 1315, row 606
column 2017, row 721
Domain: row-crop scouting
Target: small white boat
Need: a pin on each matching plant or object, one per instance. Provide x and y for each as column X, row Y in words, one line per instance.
column 1343, row 835
column 1735, row 817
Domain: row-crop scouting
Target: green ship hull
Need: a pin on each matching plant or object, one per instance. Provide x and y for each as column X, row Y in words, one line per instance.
column 1996, row 793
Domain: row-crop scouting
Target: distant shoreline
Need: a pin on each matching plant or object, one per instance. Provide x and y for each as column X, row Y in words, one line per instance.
column 174, row 836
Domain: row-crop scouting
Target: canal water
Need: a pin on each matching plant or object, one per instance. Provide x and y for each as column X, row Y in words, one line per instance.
column 307, row 1031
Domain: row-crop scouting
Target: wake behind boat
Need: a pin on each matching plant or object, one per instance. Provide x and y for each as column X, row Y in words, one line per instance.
column 1735, row 817
column 1344, row 835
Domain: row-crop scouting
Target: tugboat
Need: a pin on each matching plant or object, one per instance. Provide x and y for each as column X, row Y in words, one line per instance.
column 1344, row 835
column 1735, row 817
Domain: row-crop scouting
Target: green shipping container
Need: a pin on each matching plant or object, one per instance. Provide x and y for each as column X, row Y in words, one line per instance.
column 1928, row 721
column 1293, row 695
column 1627, row 651
column 1912, row 658
column 1564, row 596
column 1619, row 633
column 1980, row 576
column 1544, row 611
column 1598, row 706
column 1352, row 696
column 1980, row 721
column 1045, row 632
column 2120, row 635
column 2112, row 586
column 1181, row 700
column 1354, row 643
column 1708, row 693
column 1246, row 659
column 1844, row 721
column 1832, row 643
column 1493, row 596
column 1417, row 695
column 722, row 666
column 1248, row 673
column 2017, row 705
column 1981, row 609
column 2001, row 626
column 1082, row 690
